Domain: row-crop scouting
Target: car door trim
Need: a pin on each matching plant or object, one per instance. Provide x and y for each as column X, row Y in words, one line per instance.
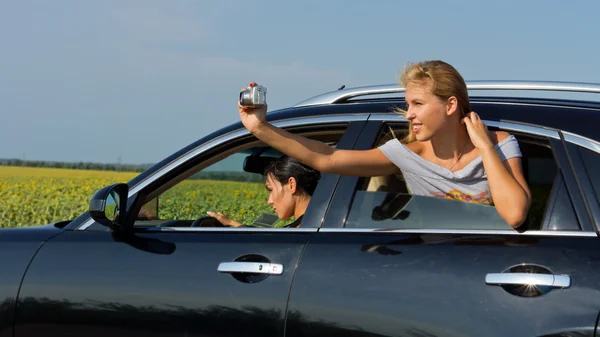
column 529, row 129
column 233, row 229
column 457, row 231
column 284, row 123
column 582, row 141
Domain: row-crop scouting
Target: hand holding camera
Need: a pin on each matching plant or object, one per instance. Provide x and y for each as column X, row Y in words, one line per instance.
column 252, row 106
column 253, row 96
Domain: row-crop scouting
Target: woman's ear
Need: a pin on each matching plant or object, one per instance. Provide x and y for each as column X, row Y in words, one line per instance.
column 451, row 106
column 292, row 184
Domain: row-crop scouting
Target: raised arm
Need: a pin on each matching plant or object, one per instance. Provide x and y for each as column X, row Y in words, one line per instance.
column 315, row 154
column 509, row 188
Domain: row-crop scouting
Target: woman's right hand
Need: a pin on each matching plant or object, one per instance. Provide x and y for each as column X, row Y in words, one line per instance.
column 224, row 219
column 252, row 118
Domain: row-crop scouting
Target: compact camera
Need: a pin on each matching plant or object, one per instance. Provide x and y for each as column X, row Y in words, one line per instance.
column 255, row 96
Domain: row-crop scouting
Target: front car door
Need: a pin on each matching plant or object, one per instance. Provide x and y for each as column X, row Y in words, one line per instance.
column 387, row 263
column 167, row 278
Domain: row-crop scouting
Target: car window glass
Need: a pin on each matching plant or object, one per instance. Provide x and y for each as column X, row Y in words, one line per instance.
column 386, row 202
column 220, row 187
column 592, row 166
column 560, row 214
column 401, row 210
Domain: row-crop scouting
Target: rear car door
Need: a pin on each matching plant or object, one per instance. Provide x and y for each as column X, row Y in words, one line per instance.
column 166, row 278
column 387, row 263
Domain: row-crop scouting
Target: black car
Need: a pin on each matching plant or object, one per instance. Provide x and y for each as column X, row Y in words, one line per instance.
column 368, row 260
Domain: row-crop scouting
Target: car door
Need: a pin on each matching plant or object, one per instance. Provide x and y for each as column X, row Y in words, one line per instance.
column 389, row 264
column 165, row 278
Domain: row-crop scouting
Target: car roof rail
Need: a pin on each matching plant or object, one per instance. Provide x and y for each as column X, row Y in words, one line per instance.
column 343, row 95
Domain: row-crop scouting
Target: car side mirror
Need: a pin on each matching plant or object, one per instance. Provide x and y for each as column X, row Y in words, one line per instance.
column 108, row 205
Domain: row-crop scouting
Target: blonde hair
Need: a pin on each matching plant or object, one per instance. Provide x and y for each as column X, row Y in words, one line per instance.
column 443, row 79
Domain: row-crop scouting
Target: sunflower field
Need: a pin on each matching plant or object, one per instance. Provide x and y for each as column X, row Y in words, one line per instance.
column 36, row 196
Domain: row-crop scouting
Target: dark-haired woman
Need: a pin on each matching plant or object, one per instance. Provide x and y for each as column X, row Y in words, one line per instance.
column 290, row 184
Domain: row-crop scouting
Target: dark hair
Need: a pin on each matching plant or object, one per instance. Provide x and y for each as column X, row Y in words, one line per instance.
column 285, row 167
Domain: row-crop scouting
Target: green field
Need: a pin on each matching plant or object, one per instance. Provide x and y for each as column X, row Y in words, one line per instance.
column 35, row 196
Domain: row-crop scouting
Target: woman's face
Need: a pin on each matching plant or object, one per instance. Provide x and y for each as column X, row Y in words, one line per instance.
column 426, row 112
column 281, row 197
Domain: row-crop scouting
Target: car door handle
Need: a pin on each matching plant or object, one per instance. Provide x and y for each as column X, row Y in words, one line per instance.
column 548, row 280
column 251, row 267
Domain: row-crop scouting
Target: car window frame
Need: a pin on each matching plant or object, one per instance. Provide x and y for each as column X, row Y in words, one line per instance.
column 342, row 201
column 347, row 140
column 574, row 143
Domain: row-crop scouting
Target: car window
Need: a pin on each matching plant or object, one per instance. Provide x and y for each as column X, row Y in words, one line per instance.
column 221, row 187
column 386, row 202
column 231, row 181
column 592, row 165
column 560, row 214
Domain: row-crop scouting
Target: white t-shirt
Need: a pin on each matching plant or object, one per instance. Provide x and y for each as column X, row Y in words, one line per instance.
column 426, row 178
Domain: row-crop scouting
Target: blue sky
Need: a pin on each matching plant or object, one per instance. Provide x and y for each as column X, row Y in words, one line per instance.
column 99, row 80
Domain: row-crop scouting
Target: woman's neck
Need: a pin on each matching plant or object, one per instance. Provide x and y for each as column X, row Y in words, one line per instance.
column 301, row 205
column 450, row 144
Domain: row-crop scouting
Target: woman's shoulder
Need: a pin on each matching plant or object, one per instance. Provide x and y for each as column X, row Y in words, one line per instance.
column 506, row 144
column 416, row 147
column 498, row 136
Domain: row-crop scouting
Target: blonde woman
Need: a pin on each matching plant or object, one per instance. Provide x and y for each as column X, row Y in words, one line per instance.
column 449, row 152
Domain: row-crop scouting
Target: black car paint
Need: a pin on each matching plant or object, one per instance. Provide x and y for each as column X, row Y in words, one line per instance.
column 99, row 284
column 394, row 284
column 154, row 283
column 18, row 246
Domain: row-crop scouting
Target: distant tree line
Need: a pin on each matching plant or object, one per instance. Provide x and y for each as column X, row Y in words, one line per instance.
column 207, row 175
column 229, row 175
column 76, row 165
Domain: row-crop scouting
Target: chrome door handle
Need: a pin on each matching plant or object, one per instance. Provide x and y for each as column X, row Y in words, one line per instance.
column 251, row 267
column 549, row 280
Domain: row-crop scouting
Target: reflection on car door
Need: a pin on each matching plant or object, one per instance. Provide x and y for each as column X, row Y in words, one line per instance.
column 420, row 284
column 424, row 281
column 162, row 283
